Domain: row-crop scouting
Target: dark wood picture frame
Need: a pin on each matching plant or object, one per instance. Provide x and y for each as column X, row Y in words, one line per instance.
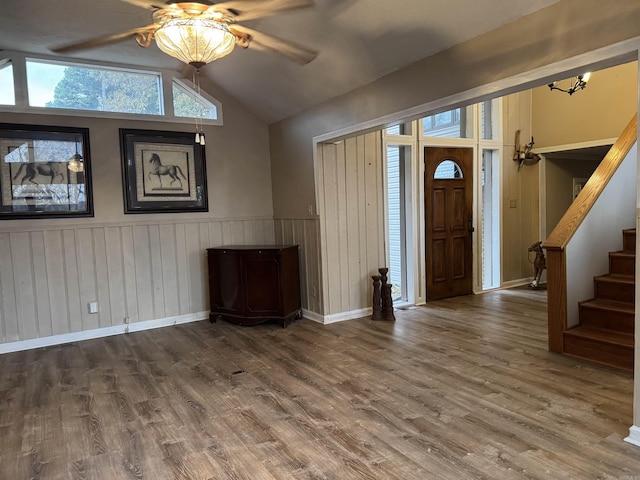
column 162, row 172
column 45, row 172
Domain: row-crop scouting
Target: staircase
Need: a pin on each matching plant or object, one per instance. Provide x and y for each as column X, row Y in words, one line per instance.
column 605, row 330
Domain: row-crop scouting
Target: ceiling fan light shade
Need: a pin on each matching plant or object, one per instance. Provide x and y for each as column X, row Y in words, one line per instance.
column 195, row 41
column 75, row 163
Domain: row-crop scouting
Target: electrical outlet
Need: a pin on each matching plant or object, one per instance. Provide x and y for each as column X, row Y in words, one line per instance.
column 92, row 307
column 513, row 203
column 126, row 320
column 310, row 209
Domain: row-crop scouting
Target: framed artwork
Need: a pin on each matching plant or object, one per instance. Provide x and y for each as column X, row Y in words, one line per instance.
column 162, row 172
column 44, row 172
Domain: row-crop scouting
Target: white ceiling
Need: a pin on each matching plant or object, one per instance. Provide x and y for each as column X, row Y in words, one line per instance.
column 358, row 40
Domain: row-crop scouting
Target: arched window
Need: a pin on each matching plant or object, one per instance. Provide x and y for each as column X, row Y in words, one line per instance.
column 447, row 170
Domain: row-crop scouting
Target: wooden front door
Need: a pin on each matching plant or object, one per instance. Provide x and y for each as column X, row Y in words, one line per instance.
column 448, row 193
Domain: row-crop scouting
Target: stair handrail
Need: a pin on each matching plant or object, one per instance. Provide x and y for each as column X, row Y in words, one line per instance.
column 568, row 225
column 578, row 210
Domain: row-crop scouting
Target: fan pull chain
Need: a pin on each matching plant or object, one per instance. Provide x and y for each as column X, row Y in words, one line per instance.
column 199, row 129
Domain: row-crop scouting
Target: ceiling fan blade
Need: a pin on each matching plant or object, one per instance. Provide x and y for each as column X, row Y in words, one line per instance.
column 105, row 40
column 242, row 10
column 261, row 41
column 146, row 3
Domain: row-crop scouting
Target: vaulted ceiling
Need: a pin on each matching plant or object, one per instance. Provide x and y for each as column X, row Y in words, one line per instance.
column 358, row 40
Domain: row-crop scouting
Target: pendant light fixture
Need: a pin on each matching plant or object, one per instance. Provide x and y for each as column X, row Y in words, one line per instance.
column 579, row 84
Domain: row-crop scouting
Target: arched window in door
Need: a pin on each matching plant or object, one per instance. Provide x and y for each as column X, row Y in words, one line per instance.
column 447, row 170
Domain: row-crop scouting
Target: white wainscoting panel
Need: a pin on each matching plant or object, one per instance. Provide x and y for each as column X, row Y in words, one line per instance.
column 350, row 206
column 144, row 271
column 305, row 233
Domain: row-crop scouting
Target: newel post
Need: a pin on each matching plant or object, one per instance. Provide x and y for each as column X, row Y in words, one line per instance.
column 556, row 297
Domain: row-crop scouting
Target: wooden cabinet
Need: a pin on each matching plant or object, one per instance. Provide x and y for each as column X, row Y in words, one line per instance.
column 253, row 284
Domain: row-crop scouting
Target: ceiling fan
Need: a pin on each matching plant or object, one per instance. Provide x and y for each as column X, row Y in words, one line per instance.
column 200, row 32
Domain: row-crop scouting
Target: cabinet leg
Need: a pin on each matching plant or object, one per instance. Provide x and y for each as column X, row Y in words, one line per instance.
column 213, row 318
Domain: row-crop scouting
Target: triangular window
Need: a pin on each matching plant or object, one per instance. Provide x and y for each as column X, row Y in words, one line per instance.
column 191, row 104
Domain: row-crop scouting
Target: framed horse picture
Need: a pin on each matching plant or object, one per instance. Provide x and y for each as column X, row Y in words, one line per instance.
column 162, row 172
column 45, row 172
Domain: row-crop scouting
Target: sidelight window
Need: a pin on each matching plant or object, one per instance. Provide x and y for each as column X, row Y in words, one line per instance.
column 398, row 164
column 490, row 227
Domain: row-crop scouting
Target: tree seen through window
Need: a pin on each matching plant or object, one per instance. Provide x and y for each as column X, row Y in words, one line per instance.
column 108, row 91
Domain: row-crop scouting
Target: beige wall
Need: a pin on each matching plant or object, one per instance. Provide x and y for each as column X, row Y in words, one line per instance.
column 146, row 267
column 600, row 111
column 237, row 154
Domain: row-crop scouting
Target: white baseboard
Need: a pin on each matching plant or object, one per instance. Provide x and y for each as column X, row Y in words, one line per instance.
column 634, row 436
column 313, row 316
column 336, row 317
column 343, row 316
column 101, row 332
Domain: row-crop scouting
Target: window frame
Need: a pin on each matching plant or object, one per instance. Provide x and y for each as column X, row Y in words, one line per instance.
column 187, row 84
column 167, row 78
column 460, row 116
column 412, row 288
column 405, row 165
column 7, row 63
column 97, row 68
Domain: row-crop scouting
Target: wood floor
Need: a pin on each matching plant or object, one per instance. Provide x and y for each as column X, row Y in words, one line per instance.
column 461, row 389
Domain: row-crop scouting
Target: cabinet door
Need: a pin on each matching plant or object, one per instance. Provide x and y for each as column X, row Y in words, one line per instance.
column 262, row 283
column 224, row 281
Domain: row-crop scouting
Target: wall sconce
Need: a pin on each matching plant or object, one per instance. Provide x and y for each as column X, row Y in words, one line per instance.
column 579, row 84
